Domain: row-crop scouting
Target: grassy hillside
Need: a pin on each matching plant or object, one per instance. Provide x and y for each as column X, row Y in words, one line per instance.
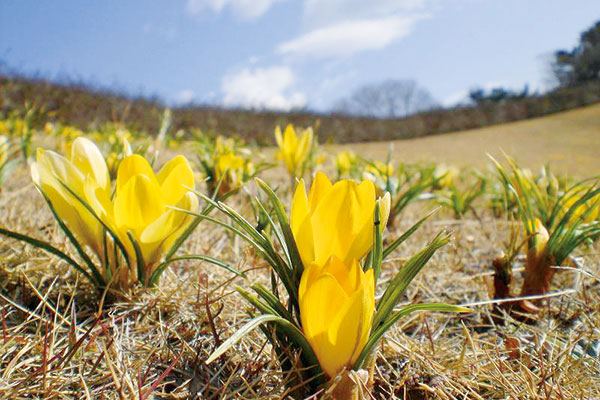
column 570, row 141
column 81, row 106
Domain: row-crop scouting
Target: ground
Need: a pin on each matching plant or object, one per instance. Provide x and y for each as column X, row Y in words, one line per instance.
column 570, row 141
column 59, row 341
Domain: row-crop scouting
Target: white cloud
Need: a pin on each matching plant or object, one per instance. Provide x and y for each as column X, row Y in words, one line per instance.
column 349, row 37
column 326, row 12
column 185, row 96
column 246, row 9
column 262, row 88
column 457, row 98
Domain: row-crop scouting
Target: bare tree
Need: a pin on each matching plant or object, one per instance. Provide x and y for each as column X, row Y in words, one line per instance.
column 387, row 99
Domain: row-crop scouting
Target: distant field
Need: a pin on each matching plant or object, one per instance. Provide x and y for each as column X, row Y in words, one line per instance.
column 570, row 141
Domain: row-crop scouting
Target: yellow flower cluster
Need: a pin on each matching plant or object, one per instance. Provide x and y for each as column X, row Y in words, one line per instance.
column 445, row 175
column 139, row 213
column 230, row 168
column 294, row 149
column 345, row 162
column 12, row 127
column 333, row 229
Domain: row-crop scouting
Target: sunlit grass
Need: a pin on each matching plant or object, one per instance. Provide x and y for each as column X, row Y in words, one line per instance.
column 58, row 341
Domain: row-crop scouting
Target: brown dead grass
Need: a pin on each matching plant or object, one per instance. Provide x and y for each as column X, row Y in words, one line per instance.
column 570, row 141
column 55, row 342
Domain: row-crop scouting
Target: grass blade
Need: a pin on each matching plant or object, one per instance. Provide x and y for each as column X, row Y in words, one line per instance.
column 407, row 273
column 139, row 259
column 160, row 269
column 388, row 250
column 380, row 331
column 49, row 248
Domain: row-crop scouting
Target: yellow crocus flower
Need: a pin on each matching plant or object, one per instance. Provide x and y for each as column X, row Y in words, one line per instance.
column 142, row 204
column 49, row 128
column 381, row 170
column 540, row 238
column 446, row 174
column 233, row 167
column 223, row 145
column 292, row 150
column 52, row 172
column 344, row 161
column 337, row 303
column 335, row 219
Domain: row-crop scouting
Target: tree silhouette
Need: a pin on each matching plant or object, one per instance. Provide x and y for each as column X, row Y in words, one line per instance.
column 387, row 99
column 496, row 95
column 581, row 64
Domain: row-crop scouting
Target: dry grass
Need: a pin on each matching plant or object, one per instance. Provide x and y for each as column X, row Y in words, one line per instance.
column 56, row 343
column 570, row 141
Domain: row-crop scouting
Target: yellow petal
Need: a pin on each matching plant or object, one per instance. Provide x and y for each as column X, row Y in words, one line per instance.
column 342, row 221
column 278, row 137
column 349, row 330
column 127, row 148
column 368, row 285
column 290, row 140
column 362, row 225
column 190, row 203
column 299, row 207
column 343, row 335
column 131, row 166
column 167, row 223
column 301, row 225
column 348, row 276
column 303, row 147
column 322, row 300
column 138, row 204
column 541, row 237
column 305, row 242
column 289, row 163
column 51, row 173
column 308, row 276
column 62, row 168
column 35, row 173
column 173, row 177
column 88, row 159
column 336, row 310
column 85, row 227
column 385, row 204
column 320, row 187
column 99, row 200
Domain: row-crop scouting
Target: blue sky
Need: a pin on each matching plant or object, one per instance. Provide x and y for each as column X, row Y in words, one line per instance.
column 290, row 53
